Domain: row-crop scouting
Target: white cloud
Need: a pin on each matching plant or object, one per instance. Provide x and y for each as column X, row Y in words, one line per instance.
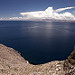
column 49, row 13
column 62, row 9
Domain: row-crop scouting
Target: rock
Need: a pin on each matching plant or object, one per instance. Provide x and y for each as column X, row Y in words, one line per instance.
column 71, row 58
column 69, row 64
column 12, row 63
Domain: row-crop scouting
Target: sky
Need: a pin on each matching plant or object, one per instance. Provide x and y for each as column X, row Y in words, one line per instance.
column 19, row 8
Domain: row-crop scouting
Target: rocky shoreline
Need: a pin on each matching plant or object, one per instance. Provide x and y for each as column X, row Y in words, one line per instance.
column 12, row 63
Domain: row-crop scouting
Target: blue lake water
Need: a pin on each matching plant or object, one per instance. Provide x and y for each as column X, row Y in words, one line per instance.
column 39, row 42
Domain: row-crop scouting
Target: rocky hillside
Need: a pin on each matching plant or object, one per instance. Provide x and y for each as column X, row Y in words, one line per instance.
column 12, row 63
column 69, row 64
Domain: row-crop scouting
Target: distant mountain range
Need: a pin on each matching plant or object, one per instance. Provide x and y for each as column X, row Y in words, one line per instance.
column 45, row 20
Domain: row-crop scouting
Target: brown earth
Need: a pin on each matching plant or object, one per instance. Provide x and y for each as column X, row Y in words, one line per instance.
column 12, row 63
column 69, row 64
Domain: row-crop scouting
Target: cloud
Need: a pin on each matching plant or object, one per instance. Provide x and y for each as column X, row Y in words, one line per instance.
column 62, row 9
column 49, row 13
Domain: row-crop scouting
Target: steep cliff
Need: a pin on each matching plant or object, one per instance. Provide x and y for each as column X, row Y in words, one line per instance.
column 69, row 64
column 12, row 63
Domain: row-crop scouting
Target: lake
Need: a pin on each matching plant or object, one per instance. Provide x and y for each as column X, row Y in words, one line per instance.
column 39, row 42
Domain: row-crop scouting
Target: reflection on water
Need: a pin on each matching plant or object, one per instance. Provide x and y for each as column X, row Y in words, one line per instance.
column 39, row 42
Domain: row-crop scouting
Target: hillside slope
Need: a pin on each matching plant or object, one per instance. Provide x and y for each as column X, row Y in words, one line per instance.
column 12, row 63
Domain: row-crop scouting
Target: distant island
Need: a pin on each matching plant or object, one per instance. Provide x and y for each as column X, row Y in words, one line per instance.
column 43, row 20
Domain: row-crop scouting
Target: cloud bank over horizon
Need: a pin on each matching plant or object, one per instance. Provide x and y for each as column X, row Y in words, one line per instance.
column 50, row 13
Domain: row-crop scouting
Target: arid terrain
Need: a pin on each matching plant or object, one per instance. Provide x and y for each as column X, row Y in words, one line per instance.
column 12, row 63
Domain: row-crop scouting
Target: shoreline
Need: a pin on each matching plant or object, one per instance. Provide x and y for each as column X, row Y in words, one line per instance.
column 12, row 63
